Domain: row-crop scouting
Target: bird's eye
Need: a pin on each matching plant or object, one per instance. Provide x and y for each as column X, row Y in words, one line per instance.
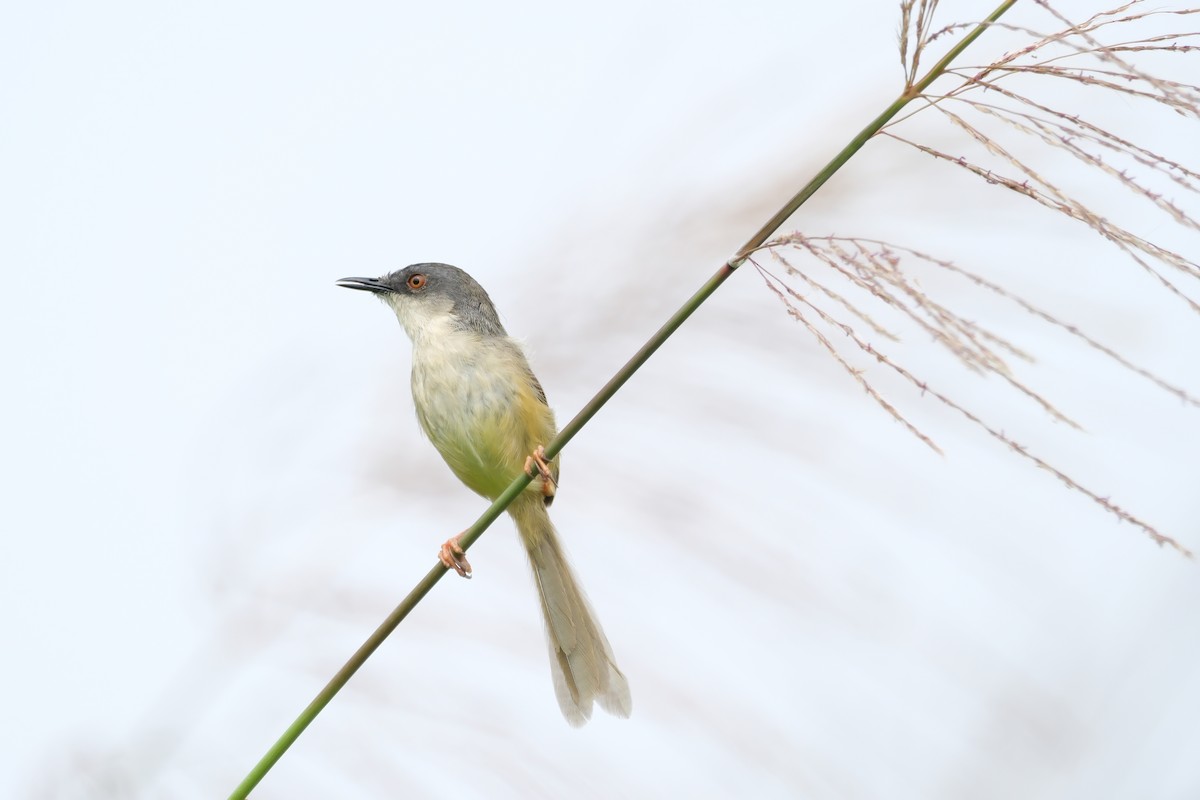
column 417, row 281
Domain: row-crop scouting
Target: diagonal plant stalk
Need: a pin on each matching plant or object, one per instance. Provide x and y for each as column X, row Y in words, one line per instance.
column 552, row 448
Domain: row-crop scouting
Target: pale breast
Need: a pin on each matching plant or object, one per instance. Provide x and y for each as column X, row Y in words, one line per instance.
column 468, row 393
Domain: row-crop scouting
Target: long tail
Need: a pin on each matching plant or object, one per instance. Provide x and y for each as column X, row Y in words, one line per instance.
column 580, row 658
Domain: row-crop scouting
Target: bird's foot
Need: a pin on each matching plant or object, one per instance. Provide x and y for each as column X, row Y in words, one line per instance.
column 453, row 557
column 535, row 465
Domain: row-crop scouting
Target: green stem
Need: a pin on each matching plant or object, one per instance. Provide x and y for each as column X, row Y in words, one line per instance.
column 605, row 394
column 856, row 144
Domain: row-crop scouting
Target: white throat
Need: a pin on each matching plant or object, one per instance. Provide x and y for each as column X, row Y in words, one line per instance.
column 422, row 318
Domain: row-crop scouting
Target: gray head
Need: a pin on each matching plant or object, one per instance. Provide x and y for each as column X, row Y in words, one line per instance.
column 433, row 298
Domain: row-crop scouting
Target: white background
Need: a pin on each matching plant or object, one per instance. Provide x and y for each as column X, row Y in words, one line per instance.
column 214, row 486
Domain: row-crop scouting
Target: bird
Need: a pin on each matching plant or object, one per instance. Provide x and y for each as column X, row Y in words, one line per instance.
column 480, row 405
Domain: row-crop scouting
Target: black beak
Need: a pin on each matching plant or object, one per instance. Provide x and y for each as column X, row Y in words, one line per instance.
column 365, row 284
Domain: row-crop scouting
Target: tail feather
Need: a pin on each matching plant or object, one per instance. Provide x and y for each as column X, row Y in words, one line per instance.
column 581, row 659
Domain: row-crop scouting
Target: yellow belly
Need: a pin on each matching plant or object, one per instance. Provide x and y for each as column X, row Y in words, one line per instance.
column 477, row 405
